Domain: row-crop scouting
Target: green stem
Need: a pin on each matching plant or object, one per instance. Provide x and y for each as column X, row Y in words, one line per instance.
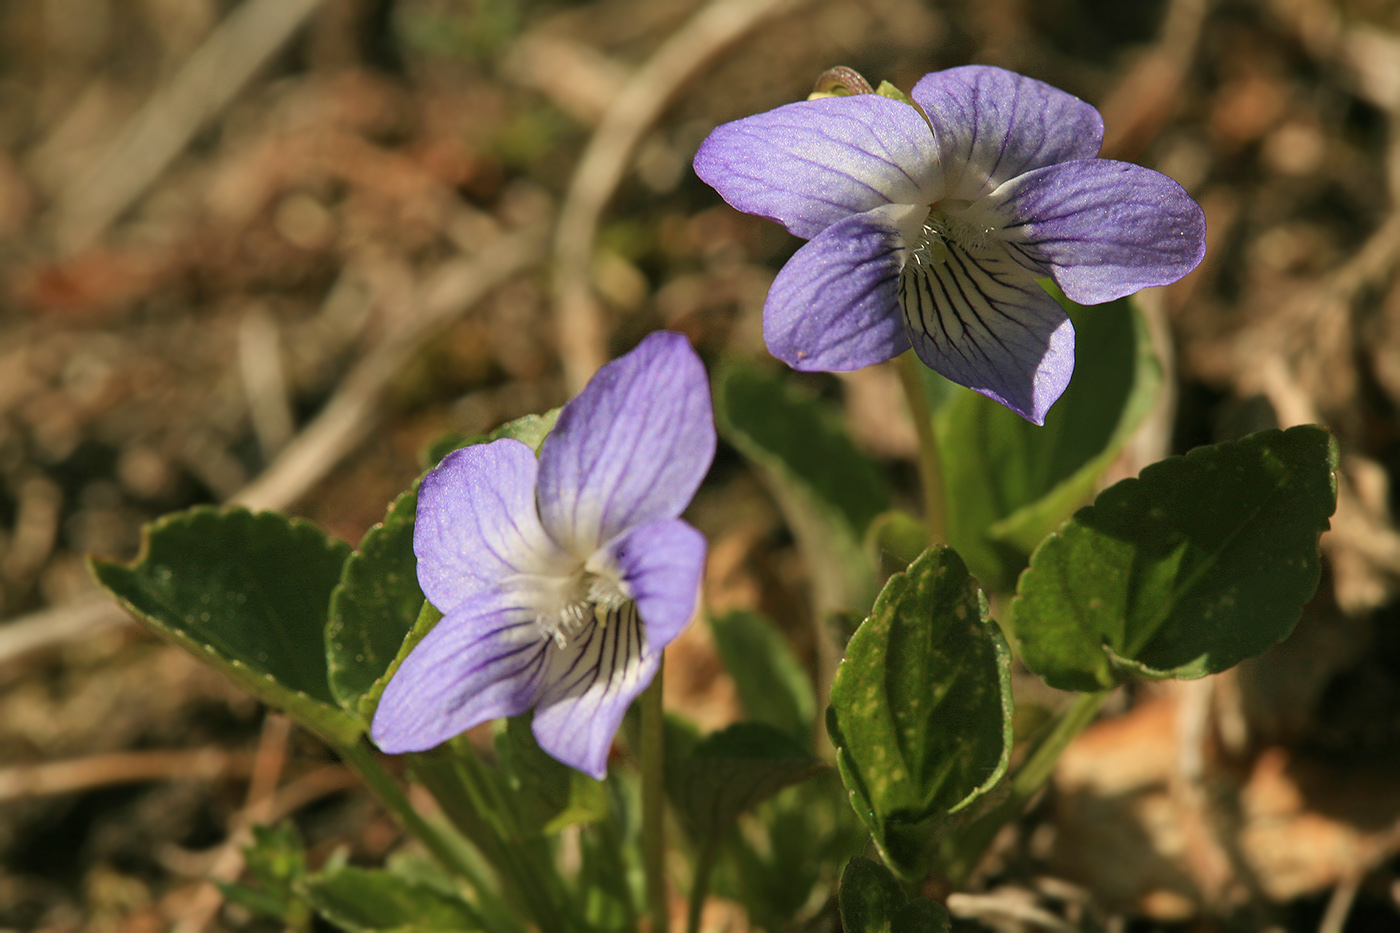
column 382, row 784
column 700, row 883
column 1025, row 783
column 610, row 847
column 1040, row 764
column 653, row 765
column 544, row 889
column 463, row 810
column 930, row 463
column 469, row 796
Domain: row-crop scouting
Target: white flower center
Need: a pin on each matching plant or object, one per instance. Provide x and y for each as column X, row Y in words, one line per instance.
column 592, row 594
column 951, row 222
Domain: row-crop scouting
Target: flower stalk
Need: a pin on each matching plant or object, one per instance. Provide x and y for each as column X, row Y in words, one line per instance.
column 930, row 462
column 653, row 767
column 700, row 884
column 386, row 790
column 473, row 801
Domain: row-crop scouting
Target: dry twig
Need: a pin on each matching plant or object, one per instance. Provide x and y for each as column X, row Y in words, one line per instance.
column 352, row 413
column 581, row 333
column 1339, row 906
column 268, row 764
column 1006, row 904
column 344, row 423
column 264, row 384
column 207, row 82
column 1151, row 92
column 80, row 774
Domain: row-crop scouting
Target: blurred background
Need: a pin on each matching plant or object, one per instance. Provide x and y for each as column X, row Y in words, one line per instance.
column 262, row 252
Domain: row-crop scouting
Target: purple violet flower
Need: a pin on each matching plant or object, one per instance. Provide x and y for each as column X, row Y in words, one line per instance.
column 930, row 228
column 560, row 579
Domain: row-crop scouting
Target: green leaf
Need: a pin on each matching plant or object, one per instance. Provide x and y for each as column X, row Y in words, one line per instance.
column 276, row 860
column 869, row 895
column 895, row 539
column 375, row 604
column 248, row 595
column 921, row 915
column 548, row 796
column 609, row 899
column 828, row 490
column 731, row 771
column 872, row 901
column 356, row 899
column 1013, row 483
column 773, row 685
column 428, row 616
column 792, row 849
column 1200, row 562
column 921, row 707
column 256, row 901
column 886, row 89
column 529, row 429
column 277, row 857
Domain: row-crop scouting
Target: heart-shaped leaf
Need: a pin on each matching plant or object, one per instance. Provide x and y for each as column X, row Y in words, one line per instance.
column 1200, row 562
column 247, row 594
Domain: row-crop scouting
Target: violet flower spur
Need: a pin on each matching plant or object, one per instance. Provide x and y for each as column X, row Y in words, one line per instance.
column 928, row 227
column 560, row 579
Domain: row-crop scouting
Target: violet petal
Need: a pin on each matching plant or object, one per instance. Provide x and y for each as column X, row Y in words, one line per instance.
column 662, row 564
column 809, row 164
column 589, row 686
column 483, row 661
column 992, row 125
column 835, row 306
column 631, row 448
column 1103, row 229
column 476, row 523
column 984, row 323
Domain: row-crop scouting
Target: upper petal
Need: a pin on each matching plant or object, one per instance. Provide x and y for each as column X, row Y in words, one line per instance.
column 477, row 524
column 1103, row 229
column 631, row 448
column 992, row 125
column 662, row 564
column 482, row 661
column 835, row 306
column 809, row 164
column 588, row 687
column 983, row 322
